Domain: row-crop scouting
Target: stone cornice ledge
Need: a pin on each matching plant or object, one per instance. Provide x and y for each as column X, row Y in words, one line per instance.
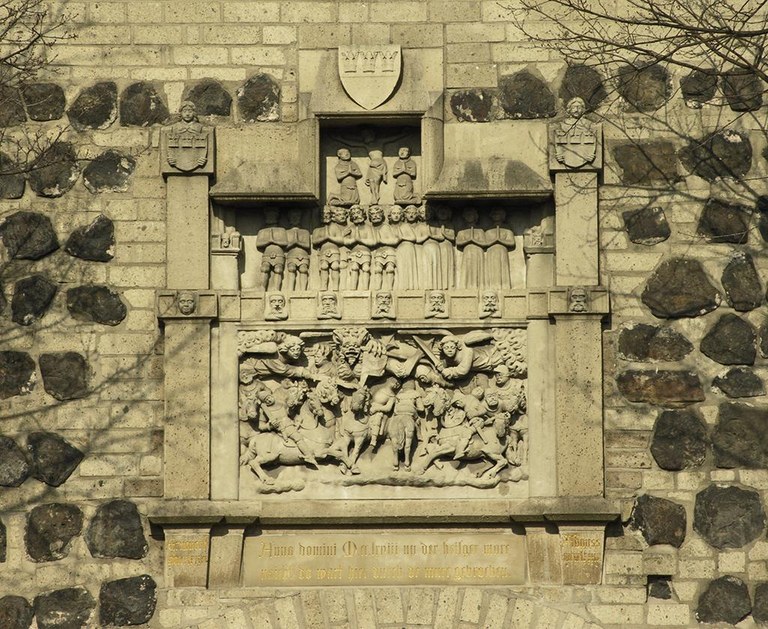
column 434, row 512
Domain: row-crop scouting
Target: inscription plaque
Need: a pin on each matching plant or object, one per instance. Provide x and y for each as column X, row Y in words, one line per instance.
column 381, row 558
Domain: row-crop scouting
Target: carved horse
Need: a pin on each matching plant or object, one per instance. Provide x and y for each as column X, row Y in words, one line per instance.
column 485, row 443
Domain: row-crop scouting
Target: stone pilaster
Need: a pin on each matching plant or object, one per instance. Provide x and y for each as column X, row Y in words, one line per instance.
column 187, row 392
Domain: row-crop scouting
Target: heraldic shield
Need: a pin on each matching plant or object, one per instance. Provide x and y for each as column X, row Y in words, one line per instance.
column 576, row 146
column 370, row 74
column 188, row 148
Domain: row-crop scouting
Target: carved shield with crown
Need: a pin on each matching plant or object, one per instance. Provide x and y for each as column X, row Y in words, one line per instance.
column 188, row 147
column 370, row 74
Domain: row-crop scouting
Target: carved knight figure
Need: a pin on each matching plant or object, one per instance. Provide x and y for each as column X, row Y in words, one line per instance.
column 188, row 141
column 360, row 241
column 384, row 256
column 347, row 172
column 575, row 139
column 471, row 242
column 500, row 241
column 404, row 172
column 328, row 239
column 297, row 255
column 401, row 427
column 377, row 174
column 271, row 240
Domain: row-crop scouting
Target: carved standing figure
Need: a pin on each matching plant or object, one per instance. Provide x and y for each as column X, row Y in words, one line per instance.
column 500, row 241
column 377, row 173
column 471, row 242
column 360, row 241
column 404, row 172
column 271, row 241
column 297, row 256
column 347, row 172
column 444, row 226
column 401, row 428
column 384, row 256
column 430, row 264
column 407, row 262
column 328, row 239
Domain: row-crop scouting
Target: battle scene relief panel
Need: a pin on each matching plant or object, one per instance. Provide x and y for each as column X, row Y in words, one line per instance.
column 371, row 408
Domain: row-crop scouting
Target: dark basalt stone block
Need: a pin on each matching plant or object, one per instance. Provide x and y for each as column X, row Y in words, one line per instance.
column 50, row 529
column 583, row 82
column 17, row 373
column 93, row 242
column 14, row 468
column 679, row 440
column 647, row 226
column 679, row 287
column 210, row 99
column 724, row 222
column 740, row 438
column 760, row 608
column 11, row 107
column 129, row 601
column 523, row 95
column 740, row 382
column 116, row 531
column 15, row 612
column 142, row 106
column 658, row 587
column 731, row 341
column 741, row 282
column 99, row 304
column 474, row 105
column 53, row 457
column 645, row 87
column 109, row 172
column 70, row 608
column 12, row 181
column 698, row 86
column 725, row 153
column 28, row 235
column 659, row 521
column 44, row 101
column 65, row 375
column 660, row 387
column 95, row 107
column 728, row 517
column 258, row 99
column 650, row 343
column 31, row 298
column 649, row 163
column 725, row 600
column 55, row 171
column 743, row 90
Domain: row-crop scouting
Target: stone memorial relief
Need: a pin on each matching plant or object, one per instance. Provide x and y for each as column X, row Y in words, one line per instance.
column 576, row 140
column 352, row 406
column 187, row 145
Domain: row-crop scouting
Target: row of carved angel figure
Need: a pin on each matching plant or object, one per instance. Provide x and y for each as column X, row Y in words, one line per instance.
column 357, row 249
column 457, row 398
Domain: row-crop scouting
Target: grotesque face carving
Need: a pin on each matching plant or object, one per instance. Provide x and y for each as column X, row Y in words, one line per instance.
column 576, row 107
column 490, row 301
column 277, row 303
column 188, row 111
column 578, row 300
column 357, row 214
column 186, row 302
column 328, row 303
column 437, row 301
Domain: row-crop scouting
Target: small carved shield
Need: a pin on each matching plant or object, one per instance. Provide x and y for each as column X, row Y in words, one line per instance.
column 576, row 147
column 370, row 74
column 187, row 149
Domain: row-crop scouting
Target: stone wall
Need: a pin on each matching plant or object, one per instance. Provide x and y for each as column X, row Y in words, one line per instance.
column 81, row 377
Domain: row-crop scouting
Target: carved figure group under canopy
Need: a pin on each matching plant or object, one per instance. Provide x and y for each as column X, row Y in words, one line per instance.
column 389, row 407
column 380, row 247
